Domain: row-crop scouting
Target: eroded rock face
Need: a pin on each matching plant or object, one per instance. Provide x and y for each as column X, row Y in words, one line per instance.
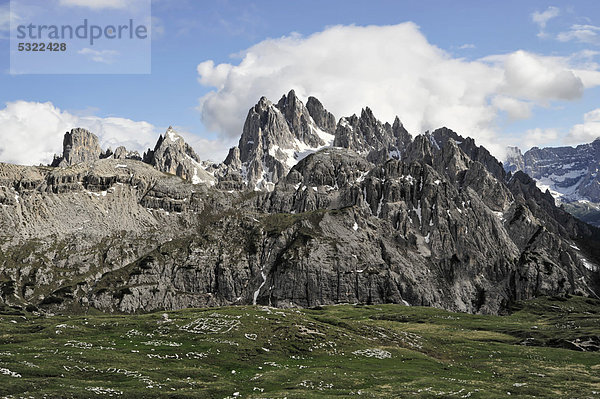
column 299, row 120
column 79, row 145
column 439, row 225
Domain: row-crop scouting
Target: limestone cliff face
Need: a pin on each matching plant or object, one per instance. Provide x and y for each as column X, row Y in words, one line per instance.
column 439, row 225
column 79, row 145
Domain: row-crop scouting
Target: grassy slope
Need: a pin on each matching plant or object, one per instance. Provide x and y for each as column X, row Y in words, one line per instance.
column 260, row 352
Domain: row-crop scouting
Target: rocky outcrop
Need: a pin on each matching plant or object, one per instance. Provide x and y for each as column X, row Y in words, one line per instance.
column 79, row 145
column 173, row 155
column 301, row 124
column 170, row 155
column 122, row 153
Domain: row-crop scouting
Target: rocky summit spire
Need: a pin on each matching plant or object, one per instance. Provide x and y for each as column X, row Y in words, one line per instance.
column 367, row 135
column 79, row 145
column 299, row 120
column 275, row 137
column 173, row 155
column 323, row 118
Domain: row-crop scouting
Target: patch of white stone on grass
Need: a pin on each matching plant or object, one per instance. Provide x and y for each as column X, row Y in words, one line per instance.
column 161, row 343
column 104, row 391
column 78, row 344
column 163, row 357
column 196, row 355
column 322, row 385
column 9, row 373
column 114, row 370
column 376, row 353
column 215, row 323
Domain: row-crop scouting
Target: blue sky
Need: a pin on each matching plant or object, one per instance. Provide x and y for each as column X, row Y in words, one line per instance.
column 188, row 33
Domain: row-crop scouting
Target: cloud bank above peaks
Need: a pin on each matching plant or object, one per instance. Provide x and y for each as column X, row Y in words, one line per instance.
column 587, row 131
column 32, row 133
column 395, row 71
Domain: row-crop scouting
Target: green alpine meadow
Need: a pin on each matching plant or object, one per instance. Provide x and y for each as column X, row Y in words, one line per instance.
column 542, row 349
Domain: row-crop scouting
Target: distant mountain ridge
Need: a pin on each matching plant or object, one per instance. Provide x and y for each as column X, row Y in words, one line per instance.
column 301, row 213
column 570, row 174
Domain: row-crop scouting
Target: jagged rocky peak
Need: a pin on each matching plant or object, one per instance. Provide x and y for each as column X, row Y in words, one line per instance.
column 448, row 159
column 367, row 135
column 440, row 137
column 79, row 145
column 173, row 155
column 274, row 138
column 400, row 132
column 323, row 118
column 299, row 120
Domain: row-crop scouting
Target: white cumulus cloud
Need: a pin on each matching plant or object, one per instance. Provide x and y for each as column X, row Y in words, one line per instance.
column 532, row 77
column 32, row 132
column 587, row 131
column 395, row 71
column 515, row 109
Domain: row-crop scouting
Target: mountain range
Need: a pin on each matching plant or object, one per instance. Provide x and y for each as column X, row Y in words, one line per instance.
column 304, row 211
column 569, row 174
